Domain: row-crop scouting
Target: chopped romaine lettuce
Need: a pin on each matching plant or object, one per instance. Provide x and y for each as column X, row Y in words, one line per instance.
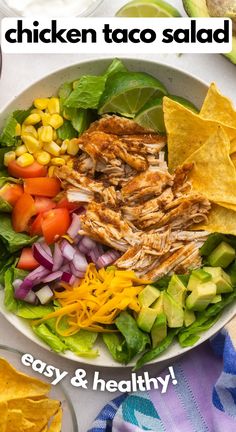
column 8, row 135
column 113, row 342
column 189, row 336
column 66, row 131
column 5, row 207
column 155, row 352
column 87, row 92
column 135, row 341
column 13, row 241
column 43, row 332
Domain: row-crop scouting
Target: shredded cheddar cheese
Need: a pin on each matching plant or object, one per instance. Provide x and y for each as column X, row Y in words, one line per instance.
column 97, row 301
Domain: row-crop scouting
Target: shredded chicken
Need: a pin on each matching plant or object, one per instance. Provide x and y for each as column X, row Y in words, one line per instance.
column 134, row 204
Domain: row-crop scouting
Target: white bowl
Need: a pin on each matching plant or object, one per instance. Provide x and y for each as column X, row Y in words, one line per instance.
column 178, row 83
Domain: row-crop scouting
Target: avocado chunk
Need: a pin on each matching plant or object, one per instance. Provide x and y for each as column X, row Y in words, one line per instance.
column 158, row 304
column 177, row 290
column 199, row 9
column 173, row 310
column 198, row 276
column 222, row 255
column 159, row 330
column 221, row 279
column 146, row 318
column 201, row 296
column 189, row 317
column 216, row 299
column 148, row 295
column 232, row 272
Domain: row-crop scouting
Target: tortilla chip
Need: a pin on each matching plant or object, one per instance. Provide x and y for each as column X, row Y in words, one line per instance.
column 33, row 409
column 15, row 421
column 16, row 385
column 220, row 220
column 56, row 423
column 218, row 107
column 3, row 416
column 187, row 132
column 214, row 174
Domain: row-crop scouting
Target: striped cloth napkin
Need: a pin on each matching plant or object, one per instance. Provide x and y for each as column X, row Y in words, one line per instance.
column 204, row 400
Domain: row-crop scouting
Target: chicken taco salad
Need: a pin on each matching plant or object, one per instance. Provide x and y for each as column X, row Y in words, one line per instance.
column 117, row 215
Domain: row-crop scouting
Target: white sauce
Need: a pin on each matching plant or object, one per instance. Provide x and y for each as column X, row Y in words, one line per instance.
column 51, row 8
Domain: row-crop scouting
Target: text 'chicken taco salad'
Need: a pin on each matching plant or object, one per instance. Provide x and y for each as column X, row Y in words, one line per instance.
column 118, row 215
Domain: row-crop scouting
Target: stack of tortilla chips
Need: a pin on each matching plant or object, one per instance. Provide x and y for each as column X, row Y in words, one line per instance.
column 207, row 139
column 24, row 404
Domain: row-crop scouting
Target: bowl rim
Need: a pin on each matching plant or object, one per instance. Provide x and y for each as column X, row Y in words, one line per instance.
column 149, row 63
column 99, row 60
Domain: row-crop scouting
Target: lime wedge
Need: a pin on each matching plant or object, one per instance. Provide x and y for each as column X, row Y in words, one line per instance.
column 148, row 8
column 127, row 92
column 151, row 116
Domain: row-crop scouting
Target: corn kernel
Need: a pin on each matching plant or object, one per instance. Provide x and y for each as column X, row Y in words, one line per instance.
column 53, row 106
column 54, row 136
column 32, row 119
column 41, row 103
column 64, row 147
column 45, row 133
column 73, row 147
column 57, row 161
column 18, row 129
column 20, row 150
column 43, row 157
column 52, row 148
column 66, row 116
column 66, row 157
column 70, row 163
column 29, row 130
column 51, row 170
column 31, row 143
column 56, row 121
column 25, row 160
column 9, row 157
column 46, row 119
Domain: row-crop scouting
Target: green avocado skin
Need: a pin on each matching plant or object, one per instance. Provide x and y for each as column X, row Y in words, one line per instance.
column 198, row 8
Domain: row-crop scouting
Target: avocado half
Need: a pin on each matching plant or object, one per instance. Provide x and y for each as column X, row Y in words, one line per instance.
column 198, row 8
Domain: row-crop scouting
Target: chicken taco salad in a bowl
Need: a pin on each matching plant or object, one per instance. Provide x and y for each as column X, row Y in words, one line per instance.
column 118, row 215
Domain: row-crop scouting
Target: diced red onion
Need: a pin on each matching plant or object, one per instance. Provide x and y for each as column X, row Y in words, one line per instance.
column 80, row 262
column 68, row 251
column 31, row 297
column 107, row 258
column 95, row 253
column 37, row 275
column 75, row 272
column 58, row 258
column 52, row 277
column 65, row 268
column 17, row 283
column 86, row 244
column 24, row 288
column 44, row 295
column 77, row 239
column 74, row 227
column 42, row 256
column 46, row 248
column 68, row 277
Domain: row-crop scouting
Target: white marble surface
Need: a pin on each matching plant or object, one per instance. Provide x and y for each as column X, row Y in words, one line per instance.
column 19, row 71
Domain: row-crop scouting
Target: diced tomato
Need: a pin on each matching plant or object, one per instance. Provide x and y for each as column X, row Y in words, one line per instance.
column 34, row 170
column 42, row 186
column 55, row 223
column 64, row 203
column 27, row 260
column 23, row 210
column 11, row 192
column 43, row 204
column 36, row 226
